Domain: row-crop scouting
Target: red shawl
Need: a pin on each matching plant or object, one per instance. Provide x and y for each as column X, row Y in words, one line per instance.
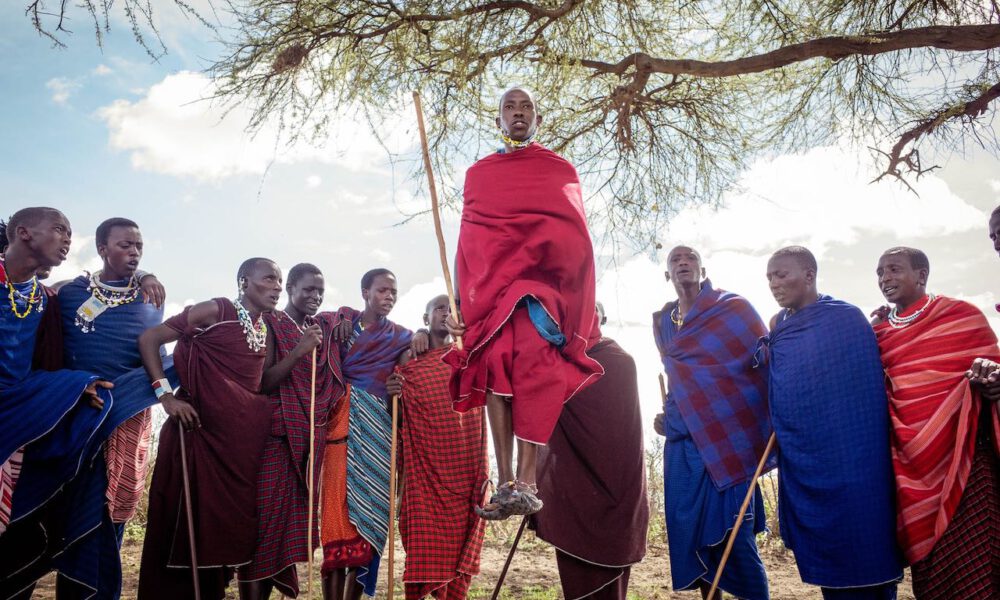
column 935, row 413
column 524, row 233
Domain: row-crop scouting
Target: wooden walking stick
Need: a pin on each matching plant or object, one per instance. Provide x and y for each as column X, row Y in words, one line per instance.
column 510, row 557
column 739, row 517
column 190, row 514
column 436, row 212
column 391, row 592
column 663, row 390
column 310, row 473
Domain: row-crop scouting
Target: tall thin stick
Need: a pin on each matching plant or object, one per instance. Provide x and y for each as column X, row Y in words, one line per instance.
column 663, row 390
column 392, row 500
column 510, row 557
column 190, row 514
column 437, row 213
column 739, row 517
column 310, row 473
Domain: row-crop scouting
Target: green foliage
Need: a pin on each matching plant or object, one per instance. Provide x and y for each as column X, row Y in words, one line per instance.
column 660, row 103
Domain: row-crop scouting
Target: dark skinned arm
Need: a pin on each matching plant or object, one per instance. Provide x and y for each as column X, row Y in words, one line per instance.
column 202, row 315
column 312, row 337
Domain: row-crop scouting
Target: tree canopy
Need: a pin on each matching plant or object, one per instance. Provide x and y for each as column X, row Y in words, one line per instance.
column 660, row 104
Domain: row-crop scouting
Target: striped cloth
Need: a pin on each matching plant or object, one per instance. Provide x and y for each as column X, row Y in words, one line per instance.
column 445, row 453
column 368, row 447
column 935, row 413
column 9, row 471
column 127, row 455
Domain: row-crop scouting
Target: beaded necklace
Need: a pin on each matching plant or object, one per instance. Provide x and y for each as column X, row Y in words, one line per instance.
column 513, row 143
column 256, row 332
column 112, row 295
column 676, row 317
column 14, row 295
column 103, row 297
column 897, row 322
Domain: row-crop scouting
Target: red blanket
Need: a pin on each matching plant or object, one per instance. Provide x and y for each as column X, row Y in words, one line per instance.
column 524, row 233
column 935, row 414
column 445, row 467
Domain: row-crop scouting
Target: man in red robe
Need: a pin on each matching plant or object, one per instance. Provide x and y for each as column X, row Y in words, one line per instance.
column 944, row 442
column 219, row 358
column 525, row 279
column 444, row 454
column 282, row 495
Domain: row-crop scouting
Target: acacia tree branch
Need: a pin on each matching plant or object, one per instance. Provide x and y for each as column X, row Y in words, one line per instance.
column 900, row 158
column 959, row 38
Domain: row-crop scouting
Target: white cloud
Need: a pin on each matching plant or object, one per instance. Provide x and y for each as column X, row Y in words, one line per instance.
column 381, row 255
column 102, row 70
column 62, row 88
column 174, row 129
column 821, row 198
column 313, row 182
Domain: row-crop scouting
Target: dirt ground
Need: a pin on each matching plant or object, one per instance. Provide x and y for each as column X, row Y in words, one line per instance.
column 533, row 574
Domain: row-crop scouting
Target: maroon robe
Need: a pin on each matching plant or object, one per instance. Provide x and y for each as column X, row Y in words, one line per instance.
column 220, row 376
column 592, row 477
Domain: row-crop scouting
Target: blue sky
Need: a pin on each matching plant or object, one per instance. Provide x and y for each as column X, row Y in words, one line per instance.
column 111, row 133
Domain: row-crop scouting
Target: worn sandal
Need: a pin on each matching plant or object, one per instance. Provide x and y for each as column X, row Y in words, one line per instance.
column 511, row 498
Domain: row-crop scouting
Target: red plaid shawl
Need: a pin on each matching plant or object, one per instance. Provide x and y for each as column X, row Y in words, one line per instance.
column 282, row 499
column 445, row 457
column 935, row 414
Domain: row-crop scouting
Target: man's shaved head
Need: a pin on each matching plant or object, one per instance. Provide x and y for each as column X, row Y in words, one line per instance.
column 531, row 96
column 31, row 217
column 434, row 302
column 801, row 254
column 685, row 247
column 248, row 267
column 918, row 260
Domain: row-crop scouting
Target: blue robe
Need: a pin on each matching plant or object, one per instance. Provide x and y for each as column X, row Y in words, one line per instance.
column 40, row 411
column 111, row 351
column 829, row 410
column 700, row 515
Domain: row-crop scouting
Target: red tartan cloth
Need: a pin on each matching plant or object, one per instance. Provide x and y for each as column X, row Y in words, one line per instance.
column 282, row 496
column 965, row 562
column 445, row 467
column 935, row 414
column 524, row 233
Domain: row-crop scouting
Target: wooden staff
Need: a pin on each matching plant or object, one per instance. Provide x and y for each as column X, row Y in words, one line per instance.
column 190, row 514
column 436, row 212
column 510, row 557
column 663, row 390
column 310, row 473
column 739, row 517
column 391, row 592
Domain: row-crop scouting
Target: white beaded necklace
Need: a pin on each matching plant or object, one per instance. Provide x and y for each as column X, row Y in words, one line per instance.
column 256, row 332
column 897, row 322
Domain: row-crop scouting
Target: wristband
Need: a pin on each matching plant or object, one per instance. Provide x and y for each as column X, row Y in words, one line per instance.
column 162, row 386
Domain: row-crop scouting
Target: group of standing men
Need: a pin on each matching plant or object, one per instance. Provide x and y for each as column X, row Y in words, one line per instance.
column 81, row 365
column 886, row 432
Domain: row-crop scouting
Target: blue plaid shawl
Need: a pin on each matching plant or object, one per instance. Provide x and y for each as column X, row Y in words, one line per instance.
column 720, row 396
column 830, row 413
column 370, row 359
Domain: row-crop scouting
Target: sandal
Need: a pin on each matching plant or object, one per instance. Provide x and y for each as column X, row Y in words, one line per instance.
column 511, row 498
